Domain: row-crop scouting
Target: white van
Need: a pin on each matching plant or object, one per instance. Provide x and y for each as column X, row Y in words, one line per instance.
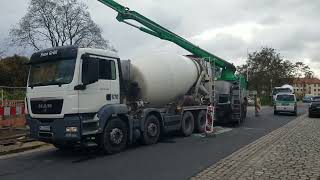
column 285, row 102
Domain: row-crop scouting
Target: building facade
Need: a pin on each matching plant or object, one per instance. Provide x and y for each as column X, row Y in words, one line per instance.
column 306, row 86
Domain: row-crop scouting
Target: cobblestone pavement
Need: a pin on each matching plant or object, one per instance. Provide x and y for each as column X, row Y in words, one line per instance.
column 290, row 152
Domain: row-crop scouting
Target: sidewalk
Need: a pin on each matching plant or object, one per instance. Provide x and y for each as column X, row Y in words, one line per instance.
column 290, row 152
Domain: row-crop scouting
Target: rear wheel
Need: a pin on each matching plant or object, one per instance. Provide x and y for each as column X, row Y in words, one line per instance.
column 201, row 122
column 310, row 115
column 295, row 113
column 151, row 131
column 187, row 124
column 115, row 136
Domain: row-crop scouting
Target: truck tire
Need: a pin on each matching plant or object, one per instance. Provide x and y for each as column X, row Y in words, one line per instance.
column 151, row 132
column 187, row 124
column 115, row 136
column 200, row 123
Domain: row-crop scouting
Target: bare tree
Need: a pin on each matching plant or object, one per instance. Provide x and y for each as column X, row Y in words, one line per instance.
column 1, row 53
column 58, row 23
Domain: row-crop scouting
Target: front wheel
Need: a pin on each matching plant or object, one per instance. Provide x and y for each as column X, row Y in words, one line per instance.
column 115, row 136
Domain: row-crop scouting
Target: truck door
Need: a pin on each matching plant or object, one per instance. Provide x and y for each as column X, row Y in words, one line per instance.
column 105, row 90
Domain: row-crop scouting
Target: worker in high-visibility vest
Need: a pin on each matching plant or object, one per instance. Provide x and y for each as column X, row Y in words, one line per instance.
column 257, row 106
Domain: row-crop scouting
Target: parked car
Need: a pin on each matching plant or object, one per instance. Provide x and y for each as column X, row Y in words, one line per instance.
column 285, row 102
column 307, row 98
column 314, row 108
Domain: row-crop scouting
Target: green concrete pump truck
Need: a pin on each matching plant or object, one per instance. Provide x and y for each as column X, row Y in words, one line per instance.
column 90, row 97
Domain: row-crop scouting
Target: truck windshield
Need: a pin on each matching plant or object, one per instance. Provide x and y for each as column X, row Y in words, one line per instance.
column 51, row 73
column 285, row 97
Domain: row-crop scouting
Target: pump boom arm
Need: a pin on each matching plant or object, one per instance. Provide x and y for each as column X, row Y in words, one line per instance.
column 155, row 29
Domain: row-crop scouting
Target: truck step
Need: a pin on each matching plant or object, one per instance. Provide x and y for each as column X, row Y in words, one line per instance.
column 236, row 116
column 89, row 121
column 85, row 133
column 90, row 144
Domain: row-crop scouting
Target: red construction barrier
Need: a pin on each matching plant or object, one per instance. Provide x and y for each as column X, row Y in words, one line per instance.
column 1, row 113
column 13, row 122
column 13, row 111
column 12, row 114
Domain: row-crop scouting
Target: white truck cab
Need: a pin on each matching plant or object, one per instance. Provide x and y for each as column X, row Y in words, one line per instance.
column 61, row 85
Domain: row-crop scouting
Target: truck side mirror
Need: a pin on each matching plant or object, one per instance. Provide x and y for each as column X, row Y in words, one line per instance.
column 90, row 70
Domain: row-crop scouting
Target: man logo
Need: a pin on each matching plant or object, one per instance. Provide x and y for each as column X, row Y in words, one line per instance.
column 45, row 106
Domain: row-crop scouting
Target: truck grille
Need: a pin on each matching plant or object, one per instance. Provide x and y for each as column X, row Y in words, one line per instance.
column 46, row 106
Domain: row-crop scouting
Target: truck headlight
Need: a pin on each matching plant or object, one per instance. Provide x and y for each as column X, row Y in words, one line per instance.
column 71, row 129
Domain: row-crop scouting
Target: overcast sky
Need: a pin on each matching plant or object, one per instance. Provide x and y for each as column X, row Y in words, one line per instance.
column 226, row 28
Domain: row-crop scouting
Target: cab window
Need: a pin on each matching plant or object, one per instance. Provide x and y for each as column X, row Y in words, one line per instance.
column 107, row 69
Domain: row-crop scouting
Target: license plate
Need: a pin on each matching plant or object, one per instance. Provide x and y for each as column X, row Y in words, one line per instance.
column 45, row 128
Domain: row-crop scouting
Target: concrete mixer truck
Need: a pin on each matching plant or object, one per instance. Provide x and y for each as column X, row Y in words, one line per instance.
column 90, row 97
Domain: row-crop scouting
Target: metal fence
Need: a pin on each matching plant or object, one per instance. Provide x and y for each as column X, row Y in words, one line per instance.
column 12, row 106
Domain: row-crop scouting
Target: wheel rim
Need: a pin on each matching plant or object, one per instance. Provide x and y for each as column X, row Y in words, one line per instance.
column 116, row 136
column 152, row 129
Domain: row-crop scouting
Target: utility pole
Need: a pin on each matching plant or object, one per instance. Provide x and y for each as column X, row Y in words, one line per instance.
column 247, row 65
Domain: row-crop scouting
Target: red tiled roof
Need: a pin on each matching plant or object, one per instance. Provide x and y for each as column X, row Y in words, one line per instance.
column 306, row 81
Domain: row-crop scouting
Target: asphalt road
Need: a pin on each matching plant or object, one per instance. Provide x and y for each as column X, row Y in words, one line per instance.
column 172, row 158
